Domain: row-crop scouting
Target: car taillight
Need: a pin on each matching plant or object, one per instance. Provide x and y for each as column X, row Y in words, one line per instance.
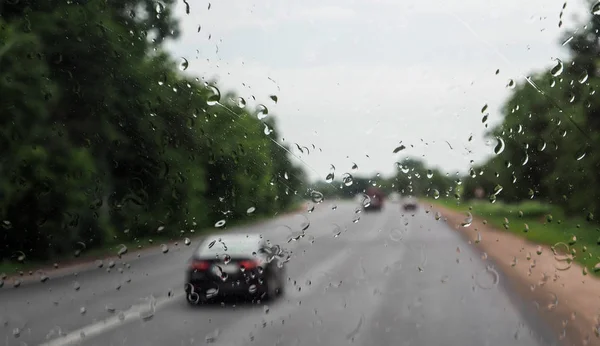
column 200, row 265
column 248, row 264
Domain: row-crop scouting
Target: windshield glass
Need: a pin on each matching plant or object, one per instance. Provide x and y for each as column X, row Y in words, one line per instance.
column 422, row 173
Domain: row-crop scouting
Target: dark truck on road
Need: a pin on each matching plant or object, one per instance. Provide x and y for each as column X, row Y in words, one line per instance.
column 375, row 201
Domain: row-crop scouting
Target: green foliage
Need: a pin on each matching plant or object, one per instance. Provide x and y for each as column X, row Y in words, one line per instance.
column 103, row 140
column 551, row 133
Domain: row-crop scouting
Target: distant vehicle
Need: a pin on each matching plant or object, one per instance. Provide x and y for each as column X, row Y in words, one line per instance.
column 375, row 200
column 237, row 265
column 410, row 204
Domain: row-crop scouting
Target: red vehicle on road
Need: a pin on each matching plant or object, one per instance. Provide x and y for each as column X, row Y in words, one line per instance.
column 376, row 197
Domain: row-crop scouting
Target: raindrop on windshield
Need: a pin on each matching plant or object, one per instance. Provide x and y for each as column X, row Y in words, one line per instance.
column 487, row 278
column 510, row 84
column 316, row 196
column 429, row 173
column 274, row 98
column 583, row 78
column 499, row 147
column 467, row 221
column 596, row 9
column 183, row 64
column 436, row 194
column 164, row 248
column 261, row 111
column 76, row 286
column 187, row 241
column 159, row 7
column 220, row 223
column 250, row 210
column 241, row 103
column 329, row 178
column 347, row 179
column 399, row 148
column 214, row 96
column 557, row 69
column 354, row 167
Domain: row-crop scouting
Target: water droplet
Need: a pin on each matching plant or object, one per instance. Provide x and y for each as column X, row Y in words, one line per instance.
column 159, row 7
column 329, row 178
column 485, row 118
column 164, row 248
column 241, row 103
column 436, row 194
column 541, row 145
column 583, row 78
column 562, row 255
column 347, row 179
column 354, row 167
column 467, row 221
column 597, row 267
column 573, row 240
column 539, row 250
column 499, row 146
column 429, row 173
column 16, row 332
column 267, row 131
column 596, row 9
column 438, row 215
column 399, row 148
column 252, row 289
column 487, row 278
column 76, row 286
column 580, row 154
column 396, row 234
column 220, row 223
column 484, row 108
column 183, row 64
column 526, row 228
column 497, row 189
column 122, row 250
column 557, row 69
column 250, row 210
column 316, row 196
column 214, row 96
column 274, row 98
column 187, row 241
column 510, row 84
column 261, row 111
column 525, row 159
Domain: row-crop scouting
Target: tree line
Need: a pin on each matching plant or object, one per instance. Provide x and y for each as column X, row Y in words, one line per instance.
column 547, row 146
column 104, row 138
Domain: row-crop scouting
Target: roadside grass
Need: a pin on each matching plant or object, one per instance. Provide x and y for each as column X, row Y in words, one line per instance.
column 539, row 223
column 112, row 247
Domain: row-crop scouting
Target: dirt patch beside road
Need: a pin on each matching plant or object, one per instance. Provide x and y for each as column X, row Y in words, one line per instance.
column 567, row 300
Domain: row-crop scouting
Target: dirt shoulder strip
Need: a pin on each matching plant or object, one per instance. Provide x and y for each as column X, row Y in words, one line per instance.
column 566, row 299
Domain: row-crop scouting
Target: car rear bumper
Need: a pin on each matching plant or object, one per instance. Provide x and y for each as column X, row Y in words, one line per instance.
column 210, row 289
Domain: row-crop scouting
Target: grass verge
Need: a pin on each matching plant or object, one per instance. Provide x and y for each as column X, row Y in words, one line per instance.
column 539, row 223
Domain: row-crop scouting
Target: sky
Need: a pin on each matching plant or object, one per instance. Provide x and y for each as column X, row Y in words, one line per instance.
column 357, row 78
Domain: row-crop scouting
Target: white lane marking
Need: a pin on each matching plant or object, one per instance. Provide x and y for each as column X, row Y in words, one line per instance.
column 134, row 313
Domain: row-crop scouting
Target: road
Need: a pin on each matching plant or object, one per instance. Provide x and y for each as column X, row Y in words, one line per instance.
column 388, row 278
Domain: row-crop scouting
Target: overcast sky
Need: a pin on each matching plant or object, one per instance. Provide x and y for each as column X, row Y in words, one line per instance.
column 356, row 78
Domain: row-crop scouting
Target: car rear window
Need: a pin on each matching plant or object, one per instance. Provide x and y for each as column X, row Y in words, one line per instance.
column 232, row 246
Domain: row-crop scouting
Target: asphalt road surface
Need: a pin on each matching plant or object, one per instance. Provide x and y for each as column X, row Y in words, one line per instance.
column 389, row 278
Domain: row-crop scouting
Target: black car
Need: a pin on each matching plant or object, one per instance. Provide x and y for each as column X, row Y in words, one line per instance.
column 410, row 204
column 234, row 265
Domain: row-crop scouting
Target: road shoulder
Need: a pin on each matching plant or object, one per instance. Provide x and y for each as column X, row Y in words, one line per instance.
column 566, row 299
